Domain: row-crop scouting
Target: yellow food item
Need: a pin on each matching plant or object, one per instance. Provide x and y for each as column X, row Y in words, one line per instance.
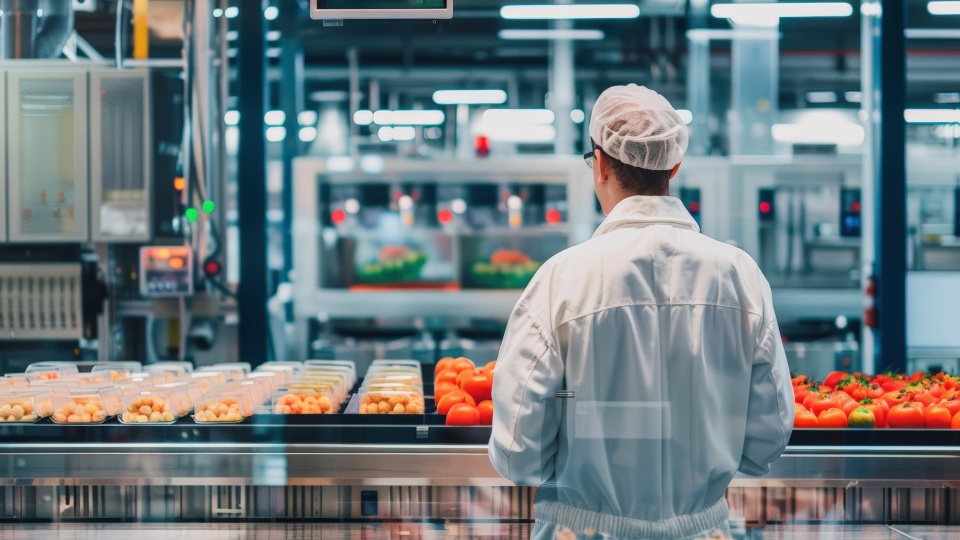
column 149, row 408
column 219, row 410
column 305, row 404
column 80, row 410
column 391, row 403
column 19, row 410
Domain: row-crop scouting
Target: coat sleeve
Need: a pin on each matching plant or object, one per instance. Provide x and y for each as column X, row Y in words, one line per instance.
column 771, row 407
column 526, row 412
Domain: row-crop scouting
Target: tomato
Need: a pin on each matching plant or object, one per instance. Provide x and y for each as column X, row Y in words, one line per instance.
column 800, row 393
column 850, row 406
column 466, row 374
column 937, row 417
column 486, row 412
column 442, row 389
column 916, row 377
column 452, row 398
column 835, row 377
column 463, row 414
column 822, row 403
column 447, row 375
column 952, row 404
column 924, row 397
column 489, row 367
column 906, row 416
column 462, row 364
column 936, row 390
column 479, row 385
column 890, row 386
column 955, row 423
column 832, row 418
column 442, row 364
column 894, row 398
column 805, row 419
column 843, row 397
column 799, row 379
column 879, row 408
column 861, row 418
column 799, row 407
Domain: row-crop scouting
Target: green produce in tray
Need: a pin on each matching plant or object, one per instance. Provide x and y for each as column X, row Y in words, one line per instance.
column 507, row 269
column 395, row 264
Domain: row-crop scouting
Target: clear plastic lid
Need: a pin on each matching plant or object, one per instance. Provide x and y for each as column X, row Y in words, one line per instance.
column 90, row 379
column 413, row 364
column 14, row 380
column 245, row 366
column 170, row 370
column 153, row 407
column 349, row 365
column 297, row 367
column 51, row 371
column 229, row 406
column 271, row 380
column 233, row 373
column 259, row 390
column 80, row 408
column 391, row 399
column 333, row 380
column 407, row 379
column 191, row 390
column 209, row 380
column 117, row 370
column 349, row 379
column 24, row 405
column 296, row 400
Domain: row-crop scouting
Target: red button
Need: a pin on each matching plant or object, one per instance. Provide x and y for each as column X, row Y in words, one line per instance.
column 855, row 206
column 338, row 216
column 694, row 206
column 765, row 207
column 553, row 216
column 445, row 216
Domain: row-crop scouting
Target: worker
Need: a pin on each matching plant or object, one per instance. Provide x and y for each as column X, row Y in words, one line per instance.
column 642, row 369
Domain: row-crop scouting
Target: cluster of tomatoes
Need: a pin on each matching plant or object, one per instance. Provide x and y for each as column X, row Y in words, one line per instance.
column 462, row 392
column 854, row 400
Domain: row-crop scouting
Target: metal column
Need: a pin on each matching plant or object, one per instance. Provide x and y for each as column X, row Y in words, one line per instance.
column 869, row 86
column 562, row 90
column 698, row 94
column 291, row 102
column 756, row 76
column 890, row 242
column 252, row 186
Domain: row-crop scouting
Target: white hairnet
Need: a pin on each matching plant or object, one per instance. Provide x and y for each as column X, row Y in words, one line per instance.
column 638, row 127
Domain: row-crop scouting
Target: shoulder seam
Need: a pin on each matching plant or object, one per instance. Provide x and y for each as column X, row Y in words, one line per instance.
column 661, row 304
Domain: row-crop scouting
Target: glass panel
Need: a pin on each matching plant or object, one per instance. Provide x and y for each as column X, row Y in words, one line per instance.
column 47, row 157
column 122, row 209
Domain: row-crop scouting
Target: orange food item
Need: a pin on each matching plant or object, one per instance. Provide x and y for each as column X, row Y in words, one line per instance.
column 937, row 417
column 305, row 404
column 443, row 364
column 486, row 412
column 805, row 419
column 80, row 410
column 479, row 385
column 226, row 409
column 391, row 402
column 148, row 408
column 447, row 375
column 952, row 404
column 832, row 418
column 861, row 418
column 955, row 423
column 452, row 398
column 462, row 364
column 906, row 416
column 822, row 403
column 442, row 389
column 509, row 256
column 463, row 414
column 490, row 366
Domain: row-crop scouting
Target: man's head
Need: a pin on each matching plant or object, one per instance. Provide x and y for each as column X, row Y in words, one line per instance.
column 639, row 141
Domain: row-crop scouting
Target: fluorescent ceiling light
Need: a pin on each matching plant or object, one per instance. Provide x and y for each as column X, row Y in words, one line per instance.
column 275, row 118
column 932, row 33
column 769, row 14
column 944, row 8
column 853, row 97
column 571, row 34
column 519, row 116
column 839, row 134
column 469, row 97
column 307, row 118
column 947, row 97
column 821, row 97
column 308, row 133
column 385, row 134
column 409, row 118
column 271, row 13
column 571, row 11
column 404, row 133
column 725, row 34
column 340, row 164
column 363, row 118
column 372, row 164
column 521, row 133
column 232, row 12
column 686, row 116
column 231, row 118
column 578, row 116
column 931, row 116
column 276, row 134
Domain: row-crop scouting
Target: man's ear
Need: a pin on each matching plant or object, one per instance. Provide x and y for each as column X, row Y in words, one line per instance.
column 602, row 165
column 674, row 171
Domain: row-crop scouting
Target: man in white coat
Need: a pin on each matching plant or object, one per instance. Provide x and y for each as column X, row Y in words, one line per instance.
column 641, row 369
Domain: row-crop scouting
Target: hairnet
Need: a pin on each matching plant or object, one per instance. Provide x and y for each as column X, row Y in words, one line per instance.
column 638, row 127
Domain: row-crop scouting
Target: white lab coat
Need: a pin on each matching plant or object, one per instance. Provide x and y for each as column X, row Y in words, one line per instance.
column 668, row 342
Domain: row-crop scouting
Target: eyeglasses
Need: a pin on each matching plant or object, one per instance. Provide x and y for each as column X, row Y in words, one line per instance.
column 588, row 158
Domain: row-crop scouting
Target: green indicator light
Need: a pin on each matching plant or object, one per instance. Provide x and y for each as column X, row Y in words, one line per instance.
column 192, row 214
column 208, row 207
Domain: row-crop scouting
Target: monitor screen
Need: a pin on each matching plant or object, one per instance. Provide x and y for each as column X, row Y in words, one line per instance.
column 382, row 9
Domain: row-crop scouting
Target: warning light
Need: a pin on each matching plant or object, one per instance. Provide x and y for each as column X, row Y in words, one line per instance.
column 694, row 206
column 444, row 216
column 855, row 206
column 179, row 183
column 162, row 253
column 338, row 216
column 176, row 263
column 765, row 207
column 553, row 216
column 482, row 146
column 212, row 268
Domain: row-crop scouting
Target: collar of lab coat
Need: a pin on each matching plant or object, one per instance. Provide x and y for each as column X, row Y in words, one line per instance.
column 641, row 211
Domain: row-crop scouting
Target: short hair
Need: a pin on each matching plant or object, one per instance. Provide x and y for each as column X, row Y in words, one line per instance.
column 636, row 180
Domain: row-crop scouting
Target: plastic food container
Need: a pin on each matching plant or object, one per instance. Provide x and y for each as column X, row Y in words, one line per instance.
column 48, row 371
column 151, row 407
column 299, row 400
column 117, row 370
column 25, row 405
column 182, row 395
column 349, row 377
column 348, row 365
column 258, row 389
column 412, row 364
column 14, row 380
column 281, row 365
column 79, row 408
column 233, row 373
column 88, row 379
column 391, row 399
column 332, row 381
column 170, row 370
column 271, row 380
column 244, row 366
column 209, row 380
column 228, row 406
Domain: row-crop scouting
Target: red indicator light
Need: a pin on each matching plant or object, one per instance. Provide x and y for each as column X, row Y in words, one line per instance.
column 212, row 268
column 695, row 206
column 765, row 207
column 855, row 206
column 338, row 216
column 553, row 216
column 445, row 216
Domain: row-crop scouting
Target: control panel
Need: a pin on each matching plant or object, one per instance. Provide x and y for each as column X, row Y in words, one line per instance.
column 166, row 271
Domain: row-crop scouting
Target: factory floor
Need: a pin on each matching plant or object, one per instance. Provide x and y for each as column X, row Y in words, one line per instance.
column 421, row 531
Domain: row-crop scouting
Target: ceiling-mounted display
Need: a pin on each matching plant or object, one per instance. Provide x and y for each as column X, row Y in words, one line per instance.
column 381, row 9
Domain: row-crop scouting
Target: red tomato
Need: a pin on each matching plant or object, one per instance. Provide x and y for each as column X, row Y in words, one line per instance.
column 850, row 406
column 906, row 416
column 894, row 398
column 799, row 407
column 442, row 364
column 832, row 418
column 835, row 377
column 443, row 389
column 823, row 403
column 936, row 390
column 842, row 398
column 490, row 366
column 805, row 419
column 463, row 414
column 479, row 385
column 447, row 375
column 799, row 379
column 937, row 417
column 462, row 364
column 452, row 398
column 800, row 393
column 924, row 397
column 879, row 408
column 486, row 412
column 955, row 423
column 916, row 377
column 952, row 404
